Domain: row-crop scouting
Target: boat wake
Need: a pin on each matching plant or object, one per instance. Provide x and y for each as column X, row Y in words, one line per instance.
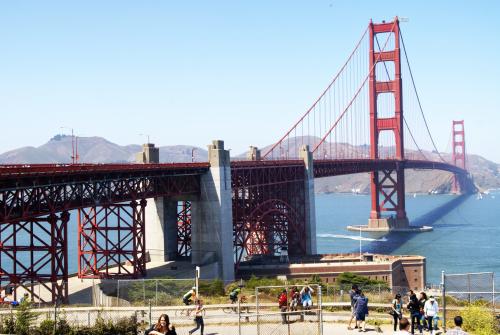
column 354, row 237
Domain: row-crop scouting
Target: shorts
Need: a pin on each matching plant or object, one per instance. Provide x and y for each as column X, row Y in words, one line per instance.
column 307, row 303
column 360, row 316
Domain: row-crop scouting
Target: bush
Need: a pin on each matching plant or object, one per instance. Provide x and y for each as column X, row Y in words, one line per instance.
column 46, row 327
column 24, row 318
column 211, row 288
column 8, row 326
column 479, row 320
column 347, row 279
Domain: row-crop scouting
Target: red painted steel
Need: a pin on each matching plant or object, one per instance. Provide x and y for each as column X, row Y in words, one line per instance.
column 458, row 153
column 393, row 179
column 184, row 228
column 34, row 255
column 268, row 208
column 111, row 241
column 34, row 190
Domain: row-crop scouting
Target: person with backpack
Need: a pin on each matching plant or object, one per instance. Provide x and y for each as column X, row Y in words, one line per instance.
column 397, row 310
column 283, row 305
column 233, row 296
column 414, row 308
column 361, row 311
column 421, row 303
column 354, row 295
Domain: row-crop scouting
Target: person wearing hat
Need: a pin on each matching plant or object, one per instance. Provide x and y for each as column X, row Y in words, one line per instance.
column 431, row 310
column 190, row 296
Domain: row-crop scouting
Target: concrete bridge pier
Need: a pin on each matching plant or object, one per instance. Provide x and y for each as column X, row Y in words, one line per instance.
column 212, row 218
column 309, row 198
column 161, row 217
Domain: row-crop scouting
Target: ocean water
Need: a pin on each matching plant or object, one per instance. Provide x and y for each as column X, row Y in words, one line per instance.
column 466, row 235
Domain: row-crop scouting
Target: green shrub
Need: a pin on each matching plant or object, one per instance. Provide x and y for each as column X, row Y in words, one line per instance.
column 46, row 327
column 25, row 318
column 479, row 320
column 347, row 279
column 211, row 288
column 9, row 325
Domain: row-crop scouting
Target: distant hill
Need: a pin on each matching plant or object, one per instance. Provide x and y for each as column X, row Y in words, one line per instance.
column 95, row 150
column 99, row 150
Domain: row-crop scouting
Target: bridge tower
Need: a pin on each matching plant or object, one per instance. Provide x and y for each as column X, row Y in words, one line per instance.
column 458, row 154
column 387, row 186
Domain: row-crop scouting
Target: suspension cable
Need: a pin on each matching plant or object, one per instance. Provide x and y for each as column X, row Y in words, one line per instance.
column 418, row 100
column 404, row 119
column 320, row 97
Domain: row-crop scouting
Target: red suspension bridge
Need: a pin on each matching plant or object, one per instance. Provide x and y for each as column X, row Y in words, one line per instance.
column 367, row 120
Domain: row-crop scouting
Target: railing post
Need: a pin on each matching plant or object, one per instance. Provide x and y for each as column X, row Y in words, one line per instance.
column 118, row 294
column 320, row 310
column 239, row 316
column 258, row 309
column 156, row 293
column 443, row 290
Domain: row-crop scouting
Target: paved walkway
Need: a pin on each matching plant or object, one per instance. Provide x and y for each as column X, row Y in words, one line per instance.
column 301, row 328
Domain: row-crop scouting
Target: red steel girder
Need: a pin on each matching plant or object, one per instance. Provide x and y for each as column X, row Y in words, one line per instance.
column 111, row 241
column 184, row 228
column 32, row 195
column 268, row 208
column 34, row 256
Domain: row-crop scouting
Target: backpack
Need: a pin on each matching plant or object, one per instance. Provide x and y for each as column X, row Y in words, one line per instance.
column 282, row 299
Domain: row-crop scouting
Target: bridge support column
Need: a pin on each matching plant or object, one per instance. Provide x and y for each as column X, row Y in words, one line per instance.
column 387, row 186
column 309, row 198
column 212, row 218
column 161, row 217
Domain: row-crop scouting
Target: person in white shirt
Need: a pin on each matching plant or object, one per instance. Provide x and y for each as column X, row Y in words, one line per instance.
column 458, row 327
column 404, row 327
column 431, row 310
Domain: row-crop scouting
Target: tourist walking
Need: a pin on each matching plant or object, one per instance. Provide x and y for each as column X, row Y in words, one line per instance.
column 162, row 327
column 458, row 327
column 421, row 302
column 404, row 327
column 283, row 305
column 353, row 294
column 431, row 310
column 361, row 311
column 198, row 317
column 414, row 308
column 397, row 310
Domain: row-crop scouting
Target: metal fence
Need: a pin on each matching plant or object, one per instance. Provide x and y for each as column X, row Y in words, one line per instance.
column 294, row 317
column 158, row 292
column 460, row 290
column 375, row 293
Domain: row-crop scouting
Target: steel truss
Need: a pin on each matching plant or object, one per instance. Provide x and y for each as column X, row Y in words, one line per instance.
column 34, row 193
column 268, row 209
column 34, row 256
column 111, row 241
column 184, row 228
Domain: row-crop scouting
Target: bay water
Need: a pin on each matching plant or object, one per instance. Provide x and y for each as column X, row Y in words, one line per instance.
column 466, row 235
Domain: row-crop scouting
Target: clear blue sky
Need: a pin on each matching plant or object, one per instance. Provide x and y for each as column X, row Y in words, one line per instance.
column 187, row 72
